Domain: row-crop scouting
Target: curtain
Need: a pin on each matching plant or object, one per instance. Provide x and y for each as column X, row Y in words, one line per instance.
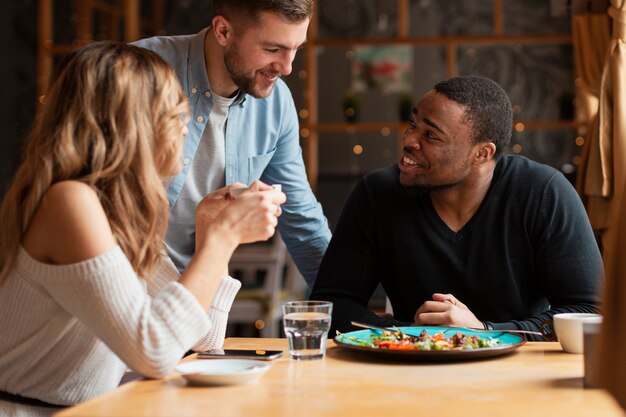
column 591, row 37
column 612, row 148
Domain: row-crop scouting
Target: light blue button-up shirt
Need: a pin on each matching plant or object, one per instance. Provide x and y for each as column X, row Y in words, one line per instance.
column 262, row 142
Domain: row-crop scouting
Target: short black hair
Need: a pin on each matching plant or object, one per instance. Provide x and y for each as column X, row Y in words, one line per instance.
column 488, row 108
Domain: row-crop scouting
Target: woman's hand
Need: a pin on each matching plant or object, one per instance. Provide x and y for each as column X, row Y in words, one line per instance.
column 224, row 222
column 253, row 215
column 445, row 310
column 211, row 205
column 249, row 217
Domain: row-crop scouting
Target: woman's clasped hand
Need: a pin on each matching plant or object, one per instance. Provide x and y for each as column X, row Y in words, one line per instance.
column 250, row 217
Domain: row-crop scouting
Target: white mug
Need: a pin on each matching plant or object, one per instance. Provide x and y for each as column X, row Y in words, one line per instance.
column 569, row 329
column 236, row 191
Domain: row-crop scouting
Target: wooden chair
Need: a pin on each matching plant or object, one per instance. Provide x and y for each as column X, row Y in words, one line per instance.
column 269, row 277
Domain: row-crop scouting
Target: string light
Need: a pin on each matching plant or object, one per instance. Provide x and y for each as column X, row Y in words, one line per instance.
column 568, row 169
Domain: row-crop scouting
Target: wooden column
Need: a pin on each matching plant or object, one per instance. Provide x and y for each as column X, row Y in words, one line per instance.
column 404, row 12
column 132, row 30
column 84, row 24
column 44, row 52
column 498, row 17
column 311, row 142
column 451, row 59
column 157, row 17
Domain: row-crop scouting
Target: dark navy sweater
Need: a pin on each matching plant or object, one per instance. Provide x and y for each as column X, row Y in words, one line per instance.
column 527, row 253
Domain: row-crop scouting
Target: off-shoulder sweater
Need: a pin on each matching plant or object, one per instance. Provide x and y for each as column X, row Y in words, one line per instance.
column 69, row 332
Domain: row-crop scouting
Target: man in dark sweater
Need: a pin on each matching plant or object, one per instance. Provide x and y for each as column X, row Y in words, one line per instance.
column 459, row 234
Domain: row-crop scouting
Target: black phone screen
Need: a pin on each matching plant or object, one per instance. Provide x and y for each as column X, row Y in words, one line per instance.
column 241, row 354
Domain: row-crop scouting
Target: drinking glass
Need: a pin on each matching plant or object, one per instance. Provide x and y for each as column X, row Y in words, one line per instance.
column 306, row 326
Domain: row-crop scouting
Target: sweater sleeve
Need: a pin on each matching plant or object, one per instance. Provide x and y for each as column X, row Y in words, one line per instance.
column 217, row 314
column 351, row 268
column 150, row 334
column 568, row 263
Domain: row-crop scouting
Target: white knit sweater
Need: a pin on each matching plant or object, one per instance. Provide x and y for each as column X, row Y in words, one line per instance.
column 68, row 333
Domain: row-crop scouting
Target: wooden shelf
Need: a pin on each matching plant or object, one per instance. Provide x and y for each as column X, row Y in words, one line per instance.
column 400, row 126
column 548, row 124
column 312, row 127
column 446, row 40
column 116, row 13
column 358, row 127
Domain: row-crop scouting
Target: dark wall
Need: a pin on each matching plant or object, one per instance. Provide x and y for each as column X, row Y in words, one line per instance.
column 7, row 80
column 338, row 164
column 18, row 51
column 18, row 26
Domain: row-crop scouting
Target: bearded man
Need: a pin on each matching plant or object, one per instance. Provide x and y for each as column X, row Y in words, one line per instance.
column 458, row 233
column 243, row 123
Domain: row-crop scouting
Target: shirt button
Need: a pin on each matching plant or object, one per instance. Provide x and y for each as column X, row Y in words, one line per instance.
column 186, row 161
column 207, row 93
column 199, row 119
column 194, row 90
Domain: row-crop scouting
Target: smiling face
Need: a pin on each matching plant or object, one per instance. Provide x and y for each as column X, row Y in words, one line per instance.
column 437, row 150
column 262, row 52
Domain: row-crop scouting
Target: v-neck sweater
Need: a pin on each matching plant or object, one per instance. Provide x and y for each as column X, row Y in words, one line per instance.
column 527, row 253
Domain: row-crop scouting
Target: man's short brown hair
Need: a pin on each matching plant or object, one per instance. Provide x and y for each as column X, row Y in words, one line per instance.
column 248, row 11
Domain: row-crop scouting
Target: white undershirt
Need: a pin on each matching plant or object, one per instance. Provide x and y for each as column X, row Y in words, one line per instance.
column 206, row 174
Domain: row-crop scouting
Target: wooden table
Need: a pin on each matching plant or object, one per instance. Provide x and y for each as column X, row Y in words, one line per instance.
column 537, row 380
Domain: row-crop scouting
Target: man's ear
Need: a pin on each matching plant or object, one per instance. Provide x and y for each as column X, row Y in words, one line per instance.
column 222, row 30
column 485, row 152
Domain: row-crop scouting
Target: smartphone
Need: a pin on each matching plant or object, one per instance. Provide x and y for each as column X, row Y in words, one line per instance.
column 264, row 355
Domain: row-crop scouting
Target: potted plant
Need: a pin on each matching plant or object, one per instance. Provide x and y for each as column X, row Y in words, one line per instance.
column 351, row 107
column 405, row 107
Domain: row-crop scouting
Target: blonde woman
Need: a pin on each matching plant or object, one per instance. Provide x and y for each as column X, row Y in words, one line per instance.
column 84, row 288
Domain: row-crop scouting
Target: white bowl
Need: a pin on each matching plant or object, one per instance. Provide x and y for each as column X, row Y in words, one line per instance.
column 569, row 329
column 222, row 371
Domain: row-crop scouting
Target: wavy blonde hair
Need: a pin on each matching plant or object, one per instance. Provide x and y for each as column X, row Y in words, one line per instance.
column 113, row 120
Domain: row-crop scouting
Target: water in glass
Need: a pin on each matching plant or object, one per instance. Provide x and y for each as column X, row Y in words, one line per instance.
column 306, row 325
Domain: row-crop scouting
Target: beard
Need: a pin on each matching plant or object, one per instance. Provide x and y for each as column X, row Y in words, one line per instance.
column 418, row 189
column 427, row 183
column 244, row 81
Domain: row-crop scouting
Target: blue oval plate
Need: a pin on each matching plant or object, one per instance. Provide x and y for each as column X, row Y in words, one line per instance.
column 507, row 343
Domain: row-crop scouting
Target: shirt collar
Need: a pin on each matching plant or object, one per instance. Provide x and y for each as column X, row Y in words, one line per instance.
column 198, row 77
